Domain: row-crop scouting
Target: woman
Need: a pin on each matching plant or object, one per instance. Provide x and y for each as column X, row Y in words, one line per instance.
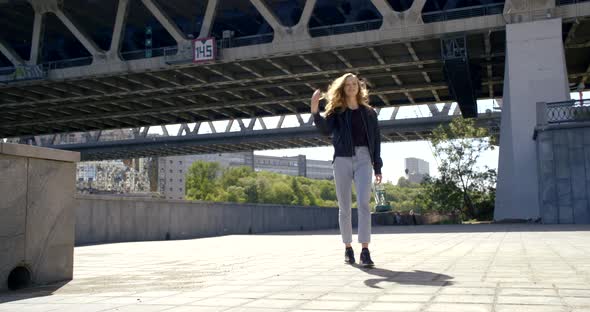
column 357, row 146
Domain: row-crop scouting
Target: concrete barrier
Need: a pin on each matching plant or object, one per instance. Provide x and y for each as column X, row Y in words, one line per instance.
column 37, row 209
column 109, row 219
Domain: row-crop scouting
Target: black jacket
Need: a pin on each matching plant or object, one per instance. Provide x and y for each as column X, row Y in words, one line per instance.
column 339, row 125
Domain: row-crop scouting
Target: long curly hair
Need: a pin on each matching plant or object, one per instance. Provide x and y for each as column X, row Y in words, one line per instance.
column 335, row 95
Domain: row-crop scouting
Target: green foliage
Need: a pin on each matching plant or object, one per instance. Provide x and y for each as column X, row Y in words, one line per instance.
column 462, row 187
column 207, row 181
column 201, row 181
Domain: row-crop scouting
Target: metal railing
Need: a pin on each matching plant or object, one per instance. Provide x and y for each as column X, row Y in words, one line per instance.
column 145, row 53
column 472, row 11
column 7, row 70
column 568, row 111
column 345, row 28
column 22, row 73
column 244, row 41
column 566, row 2
column 80, row 61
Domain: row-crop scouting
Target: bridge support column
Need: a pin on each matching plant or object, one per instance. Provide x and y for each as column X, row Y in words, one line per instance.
column 535, row 71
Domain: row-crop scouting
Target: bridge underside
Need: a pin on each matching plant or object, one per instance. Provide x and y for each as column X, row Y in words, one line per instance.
column 406, row 72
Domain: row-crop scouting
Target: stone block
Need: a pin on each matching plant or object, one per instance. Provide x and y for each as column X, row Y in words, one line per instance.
column 29, row 151
column 141, row 221
column 83, row 219
column 575, row 138
column 50, row 220
column 98, row 224
column 562, row 168
column 113, row 221
column 564, row 201
column 578, row 173
column 128, row 233
column 545, row 149
column 581, row 211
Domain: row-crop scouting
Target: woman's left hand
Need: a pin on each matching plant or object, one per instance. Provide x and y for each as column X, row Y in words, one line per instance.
column 378, row 179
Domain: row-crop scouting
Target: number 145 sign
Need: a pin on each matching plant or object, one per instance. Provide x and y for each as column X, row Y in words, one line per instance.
column 204, row 50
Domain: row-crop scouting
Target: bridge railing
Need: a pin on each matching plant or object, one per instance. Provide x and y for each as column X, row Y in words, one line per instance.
column 566, row 2
column 472, row 11
column 563, row 112
column 22, row 73
column 80, row 61
column 345, row 28
column 148, row 53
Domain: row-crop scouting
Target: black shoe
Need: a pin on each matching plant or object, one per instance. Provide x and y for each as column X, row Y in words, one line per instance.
column 366, row 258
column 349, row 255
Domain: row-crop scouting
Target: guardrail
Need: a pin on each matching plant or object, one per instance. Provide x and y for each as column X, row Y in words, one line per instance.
column 472, row 11
column 566, row 2
column 563, row 112
column 81, row 61
column 345, row 28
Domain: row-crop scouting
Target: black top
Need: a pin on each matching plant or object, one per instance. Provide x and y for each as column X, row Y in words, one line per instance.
column 359, row 134
column 338, row 124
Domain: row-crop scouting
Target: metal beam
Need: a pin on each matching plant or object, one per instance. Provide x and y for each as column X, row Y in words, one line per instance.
column 37, row 39
column 82, row 36
column 395, row 77
column 10, row 54
column 488, row 51
column 208, row 18
column 425, row 74
column 255, row 139
column 270, row 18
column 230, row 82
column 166, row 21
column 175, row 108
column 120, row 22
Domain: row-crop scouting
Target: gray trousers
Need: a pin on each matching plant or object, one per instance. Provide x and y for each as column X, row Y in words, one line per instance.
column 357, row 168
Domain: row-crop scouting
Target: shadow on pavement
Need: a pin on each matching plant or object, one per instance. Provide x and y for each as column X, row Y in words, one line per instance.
column 415, row 277
column 30, row 293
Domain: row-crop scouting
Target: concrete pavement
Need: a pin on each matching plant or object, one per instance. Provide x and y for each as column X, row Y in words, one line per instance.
column 486, row 268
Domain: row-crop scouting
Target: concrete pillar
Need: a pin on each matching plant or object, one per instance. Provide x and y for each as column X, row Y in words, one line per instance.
column 37, row 40
column 10, row 54
column 120, row 21
column 518, row 11
column 208, row 19
column 534, row 72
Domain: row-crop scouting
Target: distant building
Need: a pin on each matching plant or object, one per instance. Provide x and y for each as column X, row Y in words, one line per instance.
column 416, row 169
column 172, row 170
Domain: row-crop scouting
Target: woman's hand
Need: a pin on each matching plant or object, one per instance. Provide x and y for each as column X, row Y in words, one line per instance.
column 378, row 178
column 315, row 101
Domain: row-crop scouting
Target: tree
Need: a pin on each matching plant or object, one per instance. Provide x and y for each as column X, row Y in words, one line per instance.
column 458, row 148
column 297, row 192
column 403, row 182
column 201, row 181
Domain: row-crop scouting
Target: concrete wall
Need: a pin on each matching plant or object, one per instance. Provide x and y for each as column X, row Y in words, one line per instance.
column 108, row 219
column 37, row 210
column 564, row 173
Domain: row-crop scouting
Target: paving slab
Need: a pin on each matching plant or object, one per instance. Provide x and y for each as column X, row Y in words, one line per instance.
column 491, row 268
